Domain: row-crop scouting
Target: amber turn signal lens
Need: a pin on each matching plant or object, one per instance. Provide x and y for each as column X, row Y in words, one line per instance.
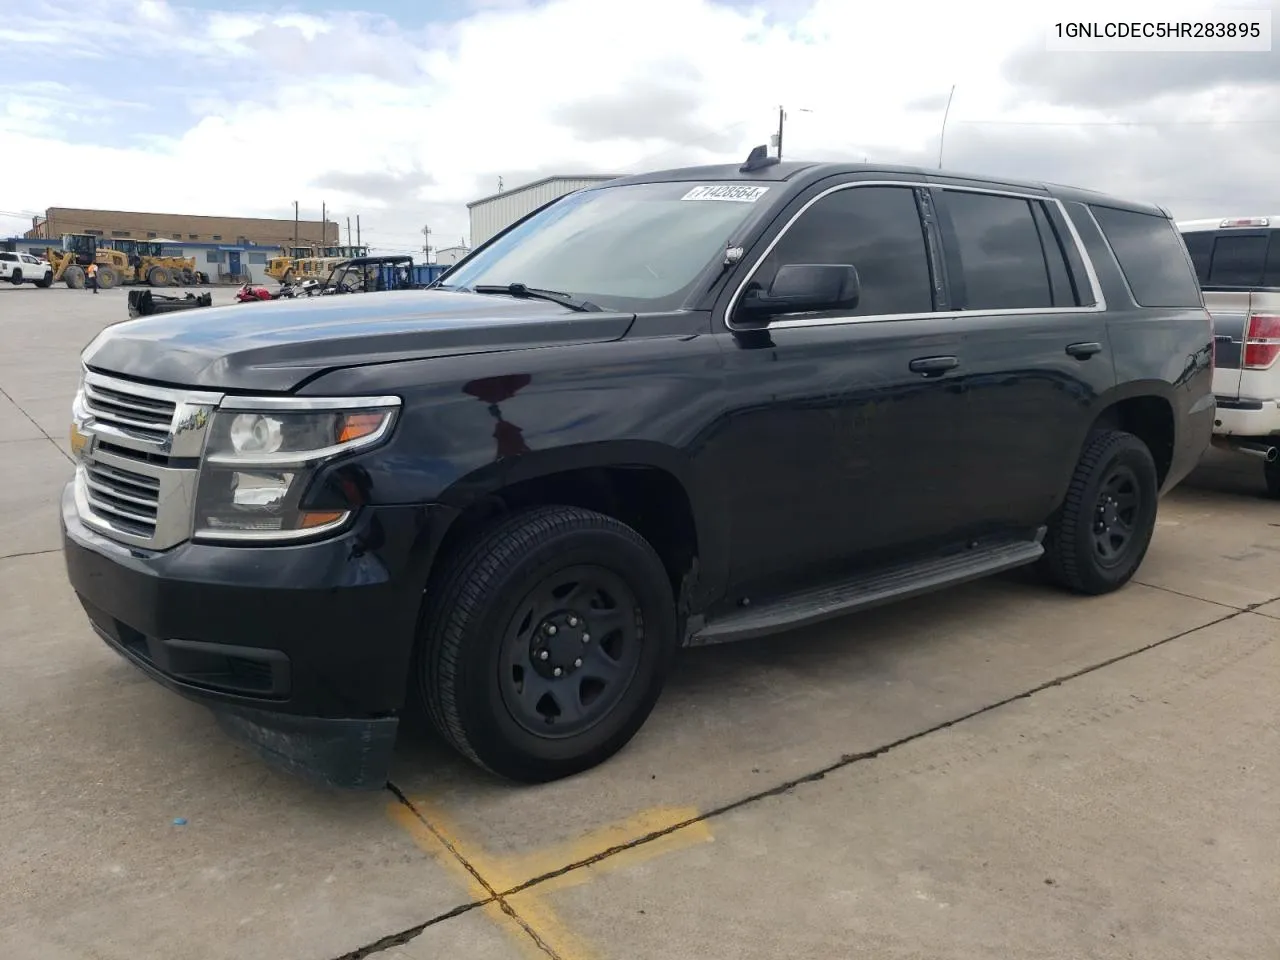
column 357, row 425
column 318, row 518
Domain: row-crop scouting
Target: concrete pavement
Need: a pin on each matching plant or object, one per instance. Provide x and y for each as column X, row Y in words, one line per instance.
column 996, row 769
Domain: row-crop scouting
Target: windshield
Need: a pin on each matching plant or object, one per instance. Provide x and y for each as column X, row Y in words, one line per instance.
column 632, row 247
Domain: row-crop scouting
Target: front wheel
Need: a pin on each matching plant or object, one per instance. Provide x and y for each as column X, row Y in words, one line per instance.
column 545, row 643
column 45, row 281
column 1099, row 537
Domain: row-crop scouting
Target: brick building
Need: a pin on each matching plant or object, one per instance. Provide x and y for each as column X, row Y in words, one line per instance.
column 180, row 226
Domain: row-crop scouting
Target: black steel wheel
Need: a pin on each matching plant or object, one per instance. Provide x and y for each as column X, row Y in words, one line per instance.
column 545, row 642
column 570, row 651
column 1100, row 535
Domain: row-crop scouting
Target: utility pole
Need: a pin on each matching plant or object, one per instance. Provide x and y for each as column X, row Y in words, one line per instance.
column 782, row 116
column 324, row 224
column 426, row 244
column 295, row 223
column 358, row 230
column 348, row 231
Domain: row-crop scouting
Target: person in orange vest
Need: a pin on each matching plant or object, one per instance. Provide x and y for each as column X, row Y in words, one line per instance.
column 91, row 274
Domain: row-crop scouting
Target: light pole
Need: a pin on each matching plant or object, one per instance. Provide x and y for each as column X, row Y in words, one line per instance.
column 782, row 116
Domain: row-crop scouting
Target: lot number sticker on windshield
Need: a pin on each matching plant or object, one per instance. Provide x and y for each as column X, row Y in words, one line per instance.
column 738, row 193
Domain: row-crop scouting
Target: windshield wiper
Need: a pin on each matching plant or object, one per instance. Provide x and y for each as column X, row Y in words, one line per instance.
column 533, row 293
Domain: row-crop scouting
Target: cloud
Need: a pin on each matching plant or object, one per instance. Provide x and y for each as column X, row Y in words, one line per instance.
column 404, row 121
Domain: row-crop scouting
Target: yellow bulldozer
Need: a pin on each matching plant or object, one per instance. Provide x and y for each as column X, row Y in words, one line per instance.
column 78, row 251
column 311, row 262
column 147, row 263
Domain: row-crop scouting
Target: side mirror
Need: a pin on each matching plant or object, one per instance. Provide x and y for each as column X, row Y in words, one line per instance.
column 805, row 288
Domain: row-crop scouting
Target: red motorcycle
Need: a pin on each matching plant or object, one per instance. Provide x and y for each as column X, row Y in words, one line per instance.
column 249, row 294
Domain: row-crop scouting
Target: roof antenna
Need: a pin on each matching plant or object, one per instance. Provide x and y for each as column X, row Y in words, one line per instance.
column 758, row 159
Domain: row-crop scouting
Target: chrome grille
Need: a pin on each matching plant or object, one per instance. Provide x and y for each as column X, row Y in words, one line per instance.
column 130, row 412
column 136, row 478
column 131, row 500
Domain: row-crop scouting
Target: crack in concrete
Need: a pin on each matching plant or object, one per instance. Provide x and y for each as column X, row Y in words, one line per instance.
column 493, row 897
column 43, row 432
column 1188, row 596
column 786, row 787
column 30, row 553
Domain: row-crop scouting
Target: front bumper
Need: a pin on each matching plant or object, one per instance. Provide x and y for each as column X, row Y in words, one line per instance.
column 303, row 651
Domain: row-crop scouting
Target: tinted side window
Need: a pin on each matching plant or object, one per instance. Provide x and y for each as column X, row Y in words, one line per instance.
column 1271, row 275
column 8, row 256
column 1238, row 260
column 1200, row 246
column 1152, row 257
column 876, row 229
column 999, row 247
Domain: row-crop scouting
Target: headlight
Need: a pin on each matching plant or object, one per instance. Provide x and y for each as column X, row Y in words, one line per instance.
column 261, row 454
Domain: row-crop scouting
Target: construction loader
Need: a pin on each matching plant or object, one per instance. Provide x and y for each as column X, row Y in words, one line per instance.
column 78, row 251
column 148, row 264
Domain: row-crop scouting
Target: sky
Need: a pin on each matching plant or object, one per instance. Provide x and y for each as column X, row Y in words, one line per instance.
column 403, row 112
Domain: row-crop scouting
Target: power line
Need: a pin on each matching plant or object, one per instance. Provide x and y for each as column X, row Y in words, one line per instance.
column 1115, row 123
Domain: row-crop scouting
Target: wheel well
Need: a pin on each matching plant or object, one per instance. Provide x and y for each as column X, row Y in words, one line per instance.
column 1150, row 419
column 649, row 500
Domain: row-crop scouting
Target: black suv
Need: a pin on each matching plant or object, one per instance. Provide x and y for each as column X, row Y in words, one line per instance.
column 680, row 408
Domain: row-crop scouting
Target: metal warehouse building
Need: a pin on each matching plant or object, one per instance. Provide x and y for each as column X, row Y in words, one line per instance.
column 490, row 215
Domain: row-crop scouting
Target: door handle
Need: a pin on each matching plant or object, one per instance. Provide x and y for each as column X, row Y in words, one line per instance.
column 933, row 366
column 1083, row 351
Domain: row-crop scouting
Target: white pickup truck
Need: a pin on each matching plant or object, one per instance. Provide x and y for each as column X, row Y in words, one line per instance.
column 24, row 268
column 1238, row 263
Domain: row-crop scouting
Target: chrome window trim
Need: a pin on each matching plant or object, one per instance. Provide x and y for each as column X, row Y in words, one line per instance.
column 1099, row 305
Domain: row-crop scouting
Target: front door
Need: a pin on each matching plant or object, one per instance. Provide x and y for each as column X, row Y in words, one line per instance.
column 233, row 262
column 839, row 444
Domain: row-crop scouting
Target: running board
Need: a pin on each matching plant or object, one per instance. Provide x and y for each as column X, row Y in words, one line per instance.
column 869, row 590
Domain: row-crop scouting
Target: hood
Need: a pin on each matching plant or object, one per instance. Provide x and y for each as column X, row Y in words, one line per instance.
column 275, row 345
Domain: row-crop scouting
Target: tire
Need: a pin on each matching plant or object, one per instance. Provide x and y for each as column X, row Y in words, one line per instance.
column 16, row 278
column 107, row 278
column 1271, row 477
column 158, row 276
column 1114, row 466
column 45, row 281
column 288, row 276
column 73, row 277
column 480, row 642
column 188, row 277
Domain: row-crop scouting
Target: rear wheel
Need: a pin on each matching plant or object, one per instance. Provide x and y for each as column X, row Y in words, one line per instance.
column 16, row 277
column 158, row 276
column 1271, row 475
column 1099, row 537
column 108, row 278
column 546, row 642
column 73, row 277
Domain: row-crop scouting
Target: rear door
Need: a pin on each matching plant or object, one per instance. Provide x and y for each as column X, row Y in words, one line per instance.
column 1035, row 349
column 1239, row 272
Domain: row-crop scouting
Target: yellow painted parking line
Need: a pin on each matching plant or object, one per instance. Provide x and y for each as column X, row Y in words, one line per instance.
column 535, row 925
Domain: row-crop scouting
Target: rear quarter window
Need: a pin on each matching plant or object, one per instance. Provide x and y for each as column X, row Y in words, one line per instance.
column 1152, row 257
